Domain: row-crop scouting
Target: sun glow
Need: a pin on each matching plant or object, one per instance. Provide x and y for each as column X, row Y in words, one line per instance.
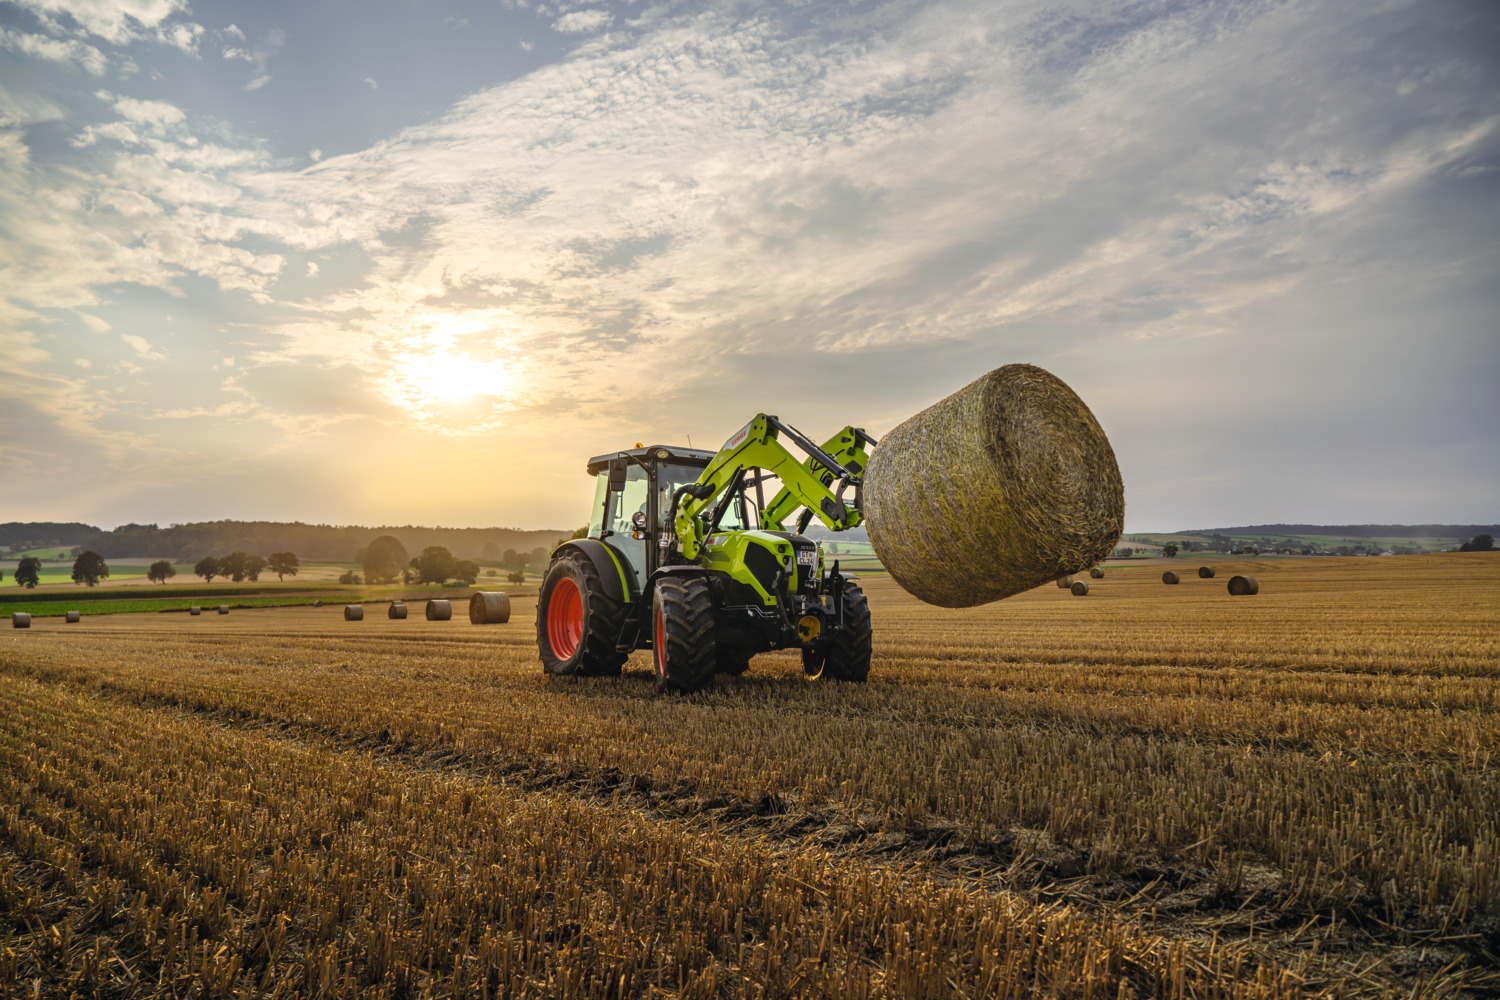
column 451, row 369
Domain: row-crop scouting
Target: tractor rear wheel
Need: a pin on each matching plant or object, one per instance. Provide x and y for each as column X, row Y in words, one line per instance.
column 577, row 623
column 847, row 658
column 683, row 634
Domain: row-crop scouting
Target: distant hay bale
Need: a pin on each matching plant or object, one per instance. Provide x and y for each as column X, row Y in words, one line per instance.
column 1243, row 586
column 397, row 610
column 1205, row 572
column 1079, row 588
column 195, row 610
column 1064, row 582
column 1002, row 486
column 439, row 611
column 73, row 617
column 20, row 619
column 223, row 609
column 354, row 613
column 1096, row 573
column 317, row 604
column 1170, row 577
column 489, row 607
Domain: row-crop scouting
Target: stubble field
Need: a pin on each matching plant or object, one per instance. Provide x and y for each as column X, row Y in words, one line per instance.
column 1148, row 791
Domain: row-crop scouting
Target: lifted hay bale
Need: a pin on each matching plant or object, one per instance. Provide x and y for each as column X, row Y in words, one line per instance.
column 1096, row 573
column 489, row 607
column 1006, row 484
column 20, row 619
column 1064, row 582
column 195, row 610
column 1079, row 588
column 1170, row 577
column 1243, row 586
column 73, row 617
column 354, row 613
column 397, row 610
column 223, row 609
column 439, row 611
column 1205, row 572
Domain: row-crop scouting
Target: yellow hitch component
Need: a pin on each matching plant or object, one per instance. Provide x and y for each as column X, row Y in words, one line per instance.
column 809, row 627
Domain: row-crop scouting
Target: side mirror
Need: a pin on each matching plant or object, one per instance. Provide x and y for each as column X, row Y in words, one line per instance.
column 616, row 475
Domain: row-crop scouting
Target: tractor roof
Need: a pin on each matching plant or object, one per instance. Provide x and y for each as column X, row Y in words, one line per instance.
column 674, row 453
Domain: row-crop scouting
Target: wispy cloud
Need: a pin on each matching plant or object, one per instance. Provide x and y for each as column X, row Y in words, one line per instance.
column 582, row 21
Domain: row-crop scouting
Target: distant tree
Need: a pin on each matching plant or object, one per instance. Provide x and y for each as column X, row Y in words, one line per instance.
column 89, row 568
column 491, row 550
column 233, row 566
column 582, row 532
column 2, row 576
column 384, row 558
column 538, row 556
column 253, row 567
column 435, row 565
column 1124, row 552
column 492, row 572
column 519, row 576
column 1479, row 543
column 466, row 572
column 408, row 574
column 350, row 577
column 1169, row 550
column 509, row 559
column 160, row 572
column 61, row 556
column 28, row 572
column 283, row 564
column 208, row 568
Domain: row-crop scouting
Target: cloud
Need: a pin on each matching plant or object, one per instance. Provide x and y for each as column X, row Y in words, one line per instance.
column 81, row 54
column 582, row 21
column 312, row 269
column 157, row 114
column 142, row 347
column 116, row 21
column 370, row 82
column 258, row 82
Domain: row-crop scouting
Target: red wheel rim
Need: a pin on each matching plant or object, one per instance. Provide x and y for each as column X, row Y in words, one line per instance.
column 661, row 642
column 565, row 619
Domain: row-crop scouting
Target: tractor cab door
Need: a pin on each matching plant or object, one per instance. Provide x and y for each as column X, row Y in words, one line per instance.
column 615, row 513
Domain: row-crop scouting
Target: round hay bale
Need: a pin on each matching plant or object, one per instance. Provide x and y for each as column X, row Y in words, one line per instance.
column 1205, row 572
column 73, row 617
column 1170, row 577
column 398, row 610
column 489, row 607
column 1243, row 586
column 354, row 613
column 1096, row 573
column 195, row 610
column 1079, row 588
column 223, row 609
column 1064, row 582
column 20, row 619
column 439, row 611
column 317, row 604
column 1006, row 484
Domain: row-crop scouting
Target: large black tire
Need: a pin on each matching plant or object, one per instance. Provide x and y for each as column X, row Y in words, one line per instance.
column 577, row 623
column 848, row 657
column 685, row 652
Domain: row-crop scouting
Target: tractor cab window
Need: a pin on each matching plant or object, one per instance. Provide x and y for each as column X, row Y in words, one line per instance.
column 738, row 517
column 622, row 506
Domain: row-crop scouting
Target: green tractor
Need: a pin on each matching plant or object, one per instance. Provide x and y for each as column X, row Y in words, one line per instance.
column 686, row 557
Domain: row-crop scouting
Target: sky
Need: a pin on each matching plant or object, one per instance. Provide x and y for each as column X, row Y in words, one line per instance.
column 414, row 261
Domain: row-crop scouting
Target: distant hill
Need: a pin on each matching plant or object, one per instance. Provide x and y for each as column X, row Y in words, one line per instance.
column 1461, row 531
column 311, row 542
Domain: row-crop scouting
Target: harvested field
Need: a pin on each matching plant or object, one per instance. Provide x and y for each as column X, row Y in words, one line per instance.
column 1155, row 791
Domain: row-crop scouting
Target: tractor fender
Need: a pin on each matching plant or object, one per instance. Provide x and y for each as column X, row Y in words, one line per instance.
column 609, row 564
column 684, row 571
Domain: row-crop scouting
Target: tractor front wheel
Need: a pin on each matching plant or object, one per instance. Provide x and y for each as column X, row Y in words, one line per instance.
column 577, row 623
column 683, row 634
column 847, row 658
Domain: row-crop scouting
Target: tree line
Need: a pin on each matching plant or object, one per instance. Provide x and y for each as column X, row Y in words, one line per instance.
column 237, row 566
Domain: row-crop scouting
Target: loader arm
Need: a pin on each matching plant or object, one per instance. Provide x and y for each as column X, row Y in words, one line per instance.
column 806, row 483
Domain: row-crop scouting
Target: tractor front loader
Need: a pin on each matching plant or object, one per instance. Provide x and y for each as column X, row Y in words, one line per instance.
column 687, row 557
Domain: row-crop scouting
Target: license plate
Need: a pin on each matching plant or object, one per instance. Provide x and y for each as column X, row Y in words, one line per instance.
column 808, row 557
